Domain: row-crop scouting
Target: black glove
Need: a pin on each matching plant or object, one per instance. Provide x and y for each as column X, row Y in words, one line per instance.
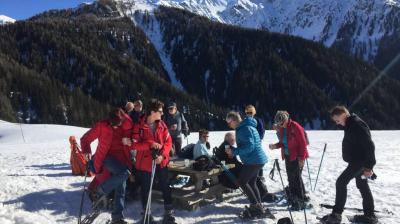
column 186, row 133
column 155, row 153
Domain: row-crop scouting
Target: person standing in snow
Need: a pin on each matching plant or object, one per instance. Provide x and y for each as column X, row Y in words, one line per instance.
column 253, row 157
column 111, row 162
column 292, row 141
column 153, row 142
column 177, row 125
column 201, row 149
column 358, row 150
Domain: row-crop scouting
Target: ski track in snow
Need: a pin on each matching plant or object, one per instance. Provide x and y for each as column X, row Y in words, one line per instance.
column 36, row 185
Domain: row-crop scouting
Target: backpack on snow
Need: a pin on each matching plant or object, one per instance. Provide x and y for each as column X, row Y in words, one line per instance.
column 77, row 159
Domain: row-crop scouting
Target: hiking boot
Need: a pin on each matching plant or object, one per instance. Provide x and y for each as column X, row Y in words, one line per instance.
column 168, row 218
column 100, row 203
column 333, row 218
column 367, row 219
column 120, row 221
column 92, row 195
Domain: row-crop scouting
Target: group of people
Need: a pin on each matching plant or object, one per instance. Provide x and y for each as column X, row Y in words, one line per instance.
column 131, row 140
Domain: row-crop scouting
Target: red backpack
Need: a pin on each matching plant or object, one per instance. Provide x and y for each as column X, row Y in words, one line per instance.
column 77, row 159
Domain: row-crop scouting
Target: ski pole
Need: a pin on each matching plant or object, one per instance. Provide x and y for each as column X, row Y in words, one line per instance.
column 287, row 197
column 83, row 194
column 309, row 175
column 148, row 205
column 302, row 192
column 320, row 164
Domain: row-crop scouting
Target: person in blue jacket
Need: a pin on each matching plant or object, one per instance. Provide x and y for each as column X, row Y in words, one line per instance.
column 253, row 158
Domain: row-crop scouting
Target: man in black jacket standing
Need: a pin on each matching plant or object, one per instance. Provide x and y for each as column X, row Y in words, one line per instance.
column 358, row 151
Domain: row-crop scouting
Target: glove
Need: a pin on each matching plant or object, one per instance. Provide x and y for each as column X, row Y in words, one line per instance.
column 155, row 153
column 186, row 133
column 90, row 166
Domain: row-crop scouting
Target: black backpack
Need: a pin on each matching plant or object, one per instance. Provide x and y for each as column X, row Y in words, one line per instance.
column 204, row 163
column 186, row 152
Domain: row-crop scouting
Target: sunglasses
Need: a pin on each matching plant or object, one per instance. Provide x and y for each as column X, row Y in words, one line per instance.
column 205, row 136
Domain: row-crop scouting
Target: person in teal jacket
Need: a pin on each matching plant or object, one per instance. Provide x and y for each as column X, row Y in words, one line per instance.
column 253, row 158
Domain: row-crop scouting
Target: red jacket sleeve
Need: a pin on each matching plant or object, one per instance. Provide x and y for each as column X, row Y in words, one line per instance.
column 301, row 140
column 89, row 137
column 166, row 147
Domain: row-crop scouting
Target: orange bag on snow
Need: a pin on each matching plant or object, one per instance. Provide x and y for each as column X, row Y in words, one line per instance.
column 77, row 159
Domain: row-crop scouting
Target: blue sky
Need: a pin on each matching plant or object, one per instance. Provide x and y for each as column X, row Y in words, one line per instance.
column 23, row 9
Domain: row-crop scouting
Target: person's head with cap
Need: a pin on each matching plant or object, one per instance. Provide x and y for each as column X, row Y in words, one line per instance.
column 138, row 106
column 172, row 108
column 281, row 118
column 233, row 119
column 116, row 117
column 250, row 110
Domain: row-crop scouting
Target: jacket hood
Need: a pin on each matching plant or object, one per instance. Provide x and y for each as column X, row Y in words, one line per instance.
column 248, row 121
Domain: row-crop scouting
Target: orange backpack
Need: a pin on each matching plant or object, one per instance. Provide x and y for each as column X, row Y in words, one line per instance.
column 77, row 159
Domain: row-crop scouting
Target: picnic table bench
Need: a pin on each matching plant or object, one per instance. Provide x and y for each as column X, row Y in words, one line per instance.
column 192, row 198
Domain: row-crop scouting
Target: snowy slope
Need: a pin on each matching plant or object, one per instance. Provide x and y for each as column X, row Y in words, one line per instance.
column 36, row 185
column 5, row 19
column 355, row 26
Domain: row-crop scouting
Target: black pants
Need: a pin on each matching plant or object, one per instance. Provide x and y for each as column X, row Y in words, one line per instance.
column 161, row 176
column 296, row 185
column 177, row 142
column 353, row 171
column 248, row 182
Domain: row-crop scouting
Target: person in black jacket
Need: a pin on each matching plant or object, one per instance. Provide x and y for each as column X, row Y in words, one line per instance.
column 358, row 151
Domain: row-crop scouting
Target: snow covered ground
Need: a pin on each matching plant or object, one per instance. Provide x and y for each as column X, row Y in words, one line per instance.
column 36, row 185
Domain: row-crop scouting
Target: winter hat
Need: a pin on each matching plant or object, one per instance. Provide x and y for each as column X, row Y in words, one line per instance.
column 250, row 109
column 171, row 104
column 280, row 117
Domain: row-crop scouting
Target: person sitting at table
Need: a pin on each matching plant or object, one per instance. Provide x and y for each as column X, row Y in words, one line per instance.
column 229, row 182
column 201, row 149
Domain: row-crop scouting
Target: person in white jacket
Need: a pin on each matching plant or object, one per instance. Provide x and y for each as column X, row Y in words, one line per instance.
column 201, row 149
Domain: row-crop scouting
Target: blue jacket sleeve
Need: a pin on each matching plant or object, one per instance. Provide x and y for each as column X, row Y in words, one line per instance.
column 245, row 142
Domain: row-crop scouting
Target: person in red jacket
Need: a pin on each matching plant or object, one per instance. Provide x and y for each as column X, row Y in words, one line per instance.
column 292, row 141
column 111, row 161
column 153, row 142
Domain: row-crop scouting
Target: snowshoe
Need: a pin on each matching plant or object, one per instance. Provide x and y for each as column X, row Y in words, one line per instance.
column 364, row 219
column 256, row 212
column 332, row 218
column 300, row 205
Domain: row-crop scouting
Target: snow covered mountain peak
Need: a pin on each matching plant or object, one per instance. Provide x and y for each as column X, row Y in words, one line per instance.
column 355, row 26
column 5, row 19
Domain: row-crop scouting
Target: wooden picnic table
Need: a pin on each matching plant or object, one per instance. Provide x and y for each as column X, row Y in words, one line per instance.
column 199, row 195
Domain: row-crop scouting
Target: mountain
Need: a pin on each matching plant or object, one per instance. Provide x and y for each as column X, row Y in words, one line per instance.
column 365, row 29
column 113, row 52
column 107, row 59
column 233, row 66
column 6, row 20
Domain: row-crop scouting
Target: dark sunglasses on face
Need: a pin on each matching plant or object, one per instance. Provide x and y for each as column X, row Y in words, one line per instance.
column 205, row 136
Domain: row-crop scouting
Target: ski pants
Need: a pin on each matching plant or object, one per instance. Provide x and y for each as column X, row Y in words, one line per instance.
column 116, row 183
column 353, row 171
column 296, row 185
column 161, row 176
column 248, row 182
